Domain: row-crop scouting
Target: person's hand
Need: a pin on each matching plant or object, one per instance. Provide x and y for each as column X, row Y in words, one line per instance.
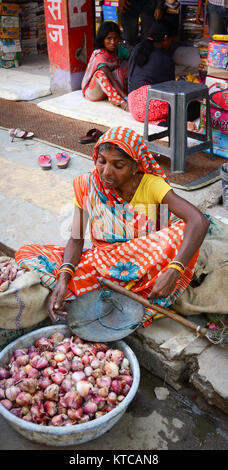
column 158, row 13
column 57, row 304
column 124, row 5
column 165, row 284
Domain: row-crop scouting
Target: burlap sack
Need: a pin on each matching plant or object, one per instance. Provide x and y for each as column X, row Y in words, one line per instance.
column 211, row 295
column 24, row 303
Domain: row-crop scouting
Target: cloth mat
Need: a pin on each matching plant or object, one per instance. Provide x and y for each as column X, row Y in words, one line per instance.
column 210, row 294
column 75, row 106
column 64, row 133
column 16, row 85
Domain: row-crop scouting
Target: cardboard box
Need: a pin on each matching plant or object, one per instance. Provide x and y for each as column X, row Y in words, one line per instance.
column 9, row 21
column 110, row 13
column 9, row 9
column 9, row 33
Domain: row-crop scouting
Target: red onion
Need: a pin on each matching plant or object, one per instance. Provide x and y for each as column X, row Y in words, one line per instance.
column 101, row 346
column 76, row 350
column 117, row 386
column 7, row 404
column 103, row 391
column 126, row 379
column 21, row 374
column 84, row 419
column 28, row 385
column 17, row 412
column 50, row 408
column 43, row 344
column 24, row 399
column 52, row 392
column 38, row 398
column 77, row 364
column 88, row 371
column 59, row 357
column 111, row 369
column 78, row 375
column 66, row 384
column 56, row 338
column 90, row 408
column 115, row 355
column 126, row 389
column 9, row 382
column 58, row 420
column 100, row 355
column 120, row 398
column 12, row 392
column 78, row 340
column 37, row 413
column 63, row 347
column 112, row 397
column 33, row 373
column 19, row 352
column 104, row 381
column 48, row 371
column 22, row 360
column 44, row 382
column 39, row 362
column 83, row 387
column 57, row 377
column 2, row 393
column 73, row 399
column 49, row 355
column 86, row 360
column 95, row 363
column 4, row 374
column 28, row 417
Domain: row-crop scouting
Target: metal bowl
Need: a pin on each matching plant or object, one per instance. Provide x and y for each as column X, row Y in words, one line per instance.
column 78, row 433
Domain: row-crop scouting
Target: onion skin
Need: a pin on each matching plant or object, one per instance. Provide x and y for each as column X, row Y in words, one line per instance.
column 52, row 392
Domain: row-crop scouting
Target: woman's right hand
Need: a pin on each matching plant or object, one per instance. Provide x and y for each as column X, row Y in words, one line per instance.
column 57, row 304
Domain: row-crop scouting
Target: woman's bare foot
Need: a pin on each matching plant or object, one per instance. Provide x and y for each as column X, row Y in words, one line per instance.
column 124, row 106
column 191, row 126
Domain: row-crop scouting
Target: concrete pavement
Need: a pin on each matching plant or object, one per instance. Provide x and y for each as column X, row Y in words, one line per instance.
column 36, row 207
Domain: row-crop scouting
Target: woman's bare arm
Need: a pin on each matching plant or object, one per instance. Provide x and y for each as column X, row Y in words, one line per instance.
column 195, row 231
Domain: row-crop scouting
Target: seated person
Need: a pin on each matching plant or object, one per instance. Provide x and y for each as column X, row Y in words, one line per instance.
column 106, row 73
column 126, row 198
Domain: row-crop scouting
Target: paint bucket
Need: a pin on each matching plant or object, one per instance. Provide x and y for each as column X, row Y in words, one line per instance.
column 224, row 175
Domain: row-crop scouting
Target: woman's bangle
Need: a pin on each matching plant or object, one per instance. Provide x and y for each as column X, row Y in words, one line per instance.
column 66, row 270
column 178, row 263
column 178, row 268
column 67, row 264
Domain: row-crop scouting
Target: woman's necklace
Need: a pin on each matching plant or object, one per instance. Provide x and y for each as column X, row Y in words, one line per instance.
column 134, row 183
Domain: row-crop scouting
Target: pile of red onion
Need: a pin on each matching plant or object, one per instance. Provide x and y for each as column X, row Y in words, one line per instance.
column 62, row 381
column 9, row 271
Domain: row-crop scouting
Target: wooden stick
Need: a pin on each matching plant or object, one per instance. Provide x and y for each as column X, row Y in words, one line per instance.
column 168, row 313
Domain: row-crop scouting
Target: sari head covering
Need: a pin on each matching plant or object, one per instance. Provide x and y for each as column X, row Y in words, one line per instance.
column 133, row 144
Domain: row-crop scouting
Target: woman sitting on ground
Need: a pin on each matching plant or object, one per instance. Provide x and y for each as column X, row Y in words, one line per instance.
column 106, row 73
column 127, row 200
column 149, row 64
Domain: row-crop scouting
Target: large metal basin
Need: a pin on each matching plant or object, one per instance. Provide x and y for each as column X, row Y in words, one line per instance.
column 79, row 433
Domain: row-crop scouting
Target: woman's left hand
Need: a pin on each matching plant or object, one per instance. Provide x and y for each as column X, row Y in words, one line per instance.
column 165, row 284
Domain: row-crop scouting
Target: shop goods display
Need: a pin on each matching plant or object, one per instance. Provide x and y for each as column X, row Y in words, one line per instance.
column 218, row 59
column 9, row 35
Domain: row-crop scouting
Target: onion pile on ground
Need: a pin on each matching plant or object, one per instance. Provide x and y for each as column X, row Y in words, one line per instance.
column 9, row 271
column 64, row 381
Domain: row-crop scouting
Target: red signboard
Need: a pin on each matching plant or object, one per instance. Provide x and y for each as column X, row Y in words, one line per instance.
column 69, row 27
